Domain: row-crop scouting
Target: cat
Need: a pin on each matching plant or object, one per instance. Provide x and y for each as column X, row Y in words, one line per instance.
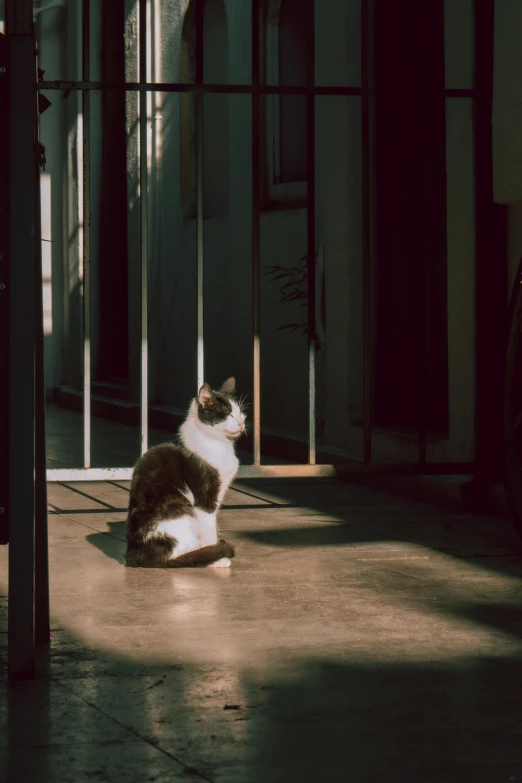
column 177, row 488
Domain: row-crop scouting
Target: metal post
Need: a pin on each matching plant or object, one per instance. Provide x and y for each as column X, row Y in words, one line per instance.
column 41, row 570
column 310, row 123
column 424, row 358
column 491, row 266
column 256, row 237
column 22, row 76
column 4, row 295
column 366, row 229
column 199, row 194
column 144, row 234
column 86, row 232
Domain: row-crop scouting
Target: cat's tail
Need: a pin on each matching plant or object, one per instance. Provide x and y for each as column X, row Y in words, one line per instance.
column 202, row 557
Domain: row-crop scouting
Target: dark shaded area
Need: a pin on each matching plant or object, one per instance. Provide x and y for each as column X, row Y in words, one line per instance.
column 410, row 210
column 513, row 405
column 4, row 299
column 308, row 720
column 113, row 287
column 491, row 266
column 491, row 542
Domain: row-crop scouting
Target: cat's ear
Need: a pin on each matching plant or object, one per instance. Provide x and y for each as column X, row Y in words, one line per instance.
column 229, row 386
column 205, row 395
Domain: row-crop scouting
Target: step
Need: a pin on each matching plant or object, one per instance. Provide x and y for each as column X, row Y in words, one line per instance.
column 458, row 493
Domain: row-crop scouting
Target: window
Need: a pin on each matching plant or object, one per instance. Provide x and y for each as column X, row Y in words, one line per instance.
column 284, row 121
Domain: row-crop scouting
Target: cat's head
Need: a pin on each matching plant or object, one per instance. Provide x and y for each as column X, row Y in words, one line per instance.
column 220, row 411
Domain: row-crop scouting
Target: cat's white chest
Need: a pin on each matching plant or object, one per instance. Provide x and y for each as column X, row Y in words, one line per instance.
column 229, row 466
column 217, row 452
column 227, row 471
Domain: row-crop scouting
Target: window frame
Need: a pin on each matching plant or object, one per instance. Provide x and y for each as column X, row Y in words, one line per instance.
column 275, row 195
column 187, row 117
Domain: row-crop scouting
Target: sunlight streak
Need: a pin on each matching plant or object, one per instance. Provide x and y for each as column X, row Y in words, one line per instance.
column 47, row 252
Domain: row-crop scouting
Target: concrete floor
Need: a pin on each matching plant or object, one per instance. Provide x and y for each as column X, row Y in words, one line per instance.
column 357, row 637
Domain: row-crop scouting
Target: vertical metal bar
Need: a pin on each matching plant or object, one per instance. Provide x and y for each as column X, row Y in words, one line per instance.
column 22, row 75
column 435, row 237
column 256, row 237
column 366, row 229
column 86, row 250
column 144, row 238
column 41, row 569
column 5, row 290
column 491, row 276
column 199, row 194
column 425, row 327
column 310, row 122
column 422, row 435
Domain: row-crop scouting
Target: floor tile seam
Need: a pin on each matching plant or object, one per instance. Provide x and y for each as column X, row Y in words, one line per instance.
column 129, row 729
column 89, row 527
column 87, row 743
column 85, row 494
column 62, row 511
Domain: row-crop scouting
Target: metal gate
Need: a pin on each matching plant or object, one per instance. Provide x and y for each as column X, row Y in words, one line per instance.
column 27, row 450
column 256, row 89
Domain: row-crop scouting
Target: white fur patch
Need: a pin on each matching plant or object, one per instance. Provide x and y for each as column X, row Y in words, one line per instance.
column 187, row 493
column 223, row 562
column 205, row 527
column 183, row 530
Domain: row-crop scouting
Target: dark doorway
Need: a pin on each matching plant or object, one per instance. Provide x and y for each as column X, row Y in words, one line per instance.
column 113, row 353
column 410, row 202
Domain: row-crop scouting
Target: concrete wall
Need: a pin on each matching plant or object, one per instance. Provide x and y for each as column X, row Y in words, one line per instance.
column 227, row 235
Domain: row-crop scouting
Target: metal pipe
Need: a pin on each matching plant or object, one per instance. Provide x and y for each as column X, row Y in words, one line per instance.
column 86, row 233
column 310, row 224
column 256, row 238
column 491, row 276
column 199, row 197
column 22, row 78
column 144, row 235
column 5, row 291
column 366, row 231
column 41, row 566
column 232, row 89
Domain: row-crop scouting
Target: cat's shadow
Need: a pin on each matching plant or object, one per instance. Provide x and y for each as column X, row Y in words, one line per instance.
column 106, row 541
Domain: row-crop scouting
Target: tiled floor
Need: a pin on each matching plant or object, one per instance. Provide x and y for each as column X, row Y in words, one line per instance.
column 357, row 637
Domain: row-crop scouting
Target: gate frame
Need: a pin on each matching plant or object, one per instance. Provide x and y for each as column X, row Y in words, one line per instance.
column 256, row 90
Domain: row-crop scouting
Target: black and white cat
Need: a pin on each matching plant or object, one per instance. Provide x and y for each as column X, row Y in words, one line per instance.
column 177, row 488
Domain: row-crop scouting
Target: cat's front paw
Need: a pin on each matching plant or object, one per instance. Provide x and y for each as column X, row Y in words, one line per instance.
column 223, row 562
